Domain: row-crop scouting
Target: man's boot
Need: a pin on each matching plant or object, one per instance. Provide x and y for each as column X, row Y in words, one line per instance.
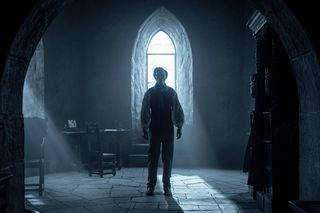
column 167, row 191
column 150, row 191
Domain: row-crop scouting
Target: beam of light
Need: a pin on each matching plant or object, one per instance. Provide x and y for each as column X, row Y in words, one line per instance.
column 60, row 147
column 193, row 192
column 196, row 146
column 56, row 145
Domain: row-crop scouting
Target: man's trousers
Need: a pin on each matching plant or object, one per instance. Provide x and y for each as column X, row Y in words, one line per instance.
column 166, row 139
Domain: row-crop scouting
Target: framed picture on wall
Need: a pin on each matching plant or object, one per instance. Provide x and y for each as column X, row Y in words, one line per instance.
column 72, row 124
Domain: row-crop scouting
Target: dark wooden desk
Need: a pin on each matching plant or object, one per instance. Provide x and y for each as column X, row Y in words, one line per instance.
column 113, row 133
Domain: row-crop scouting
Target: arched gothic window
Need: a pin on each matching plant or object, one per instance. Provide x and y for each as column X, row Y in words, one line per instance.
column 161, row 23
column 161, row 53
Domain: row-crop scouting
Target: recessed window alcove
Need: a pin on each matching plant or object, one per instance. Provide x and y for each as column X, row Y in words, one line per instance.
column 162, row 21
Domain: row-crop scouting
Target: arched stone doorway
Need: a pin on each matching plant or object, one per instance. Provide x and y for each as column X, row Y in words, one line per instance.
column 302, row 54
column 305, row 64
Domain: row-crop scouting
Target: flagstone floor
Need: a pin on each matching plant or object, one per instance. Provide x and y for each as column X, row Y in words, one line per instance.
column 194, row 190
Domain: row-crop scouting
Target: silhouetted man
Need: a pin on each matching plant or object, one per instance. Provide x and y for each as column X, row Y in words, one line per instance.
column 160, row 111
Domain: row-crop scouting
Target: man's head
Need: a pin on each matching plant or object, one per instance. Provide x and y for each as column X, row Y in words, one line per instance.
column 160, row 75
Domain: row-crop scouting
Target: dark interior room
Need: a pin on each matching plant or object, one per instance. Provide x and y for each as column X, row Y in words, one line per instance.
column 159, row 106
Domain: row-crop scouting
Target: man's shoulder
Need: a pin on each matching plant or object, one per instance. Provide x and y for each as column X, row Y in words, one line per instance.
column 171, row 90
column 167, row 88
column 150, row 89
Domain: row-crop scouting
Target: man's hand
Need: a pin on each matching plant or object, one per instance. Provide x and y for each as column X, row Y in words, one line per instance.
column 178, row 133
column 145, row 135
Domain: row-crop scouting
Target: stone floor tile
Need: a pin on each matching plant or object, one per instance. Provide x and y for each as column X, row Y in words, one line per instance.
column 186, row 207
column 68, row 210
column 127, row 206
column 121, row 193
column 198, row 196
column 108, row 200
column 144, row 206
column 229, row 207
column 249, row 211
column 153, row 211
column 170, row 207
column 204, row 211
column 152, row 199
column 209, row 207
column 205, row 201
column 104, row 208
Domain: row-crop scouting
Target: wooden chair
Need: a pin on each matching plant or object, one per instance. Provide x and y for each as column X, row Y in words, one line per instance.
column 100, row 162
column 35, row 137
column 39, row 165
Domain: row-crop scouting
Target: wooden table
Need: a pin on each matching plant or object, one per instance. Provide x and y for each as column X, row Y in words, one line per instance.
column 113, row 133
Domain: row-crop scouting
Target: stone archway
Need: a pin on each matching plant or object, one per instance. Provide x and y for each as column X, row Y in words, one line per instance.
column 300, row 50
column 11, row 94
column 306, row 68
